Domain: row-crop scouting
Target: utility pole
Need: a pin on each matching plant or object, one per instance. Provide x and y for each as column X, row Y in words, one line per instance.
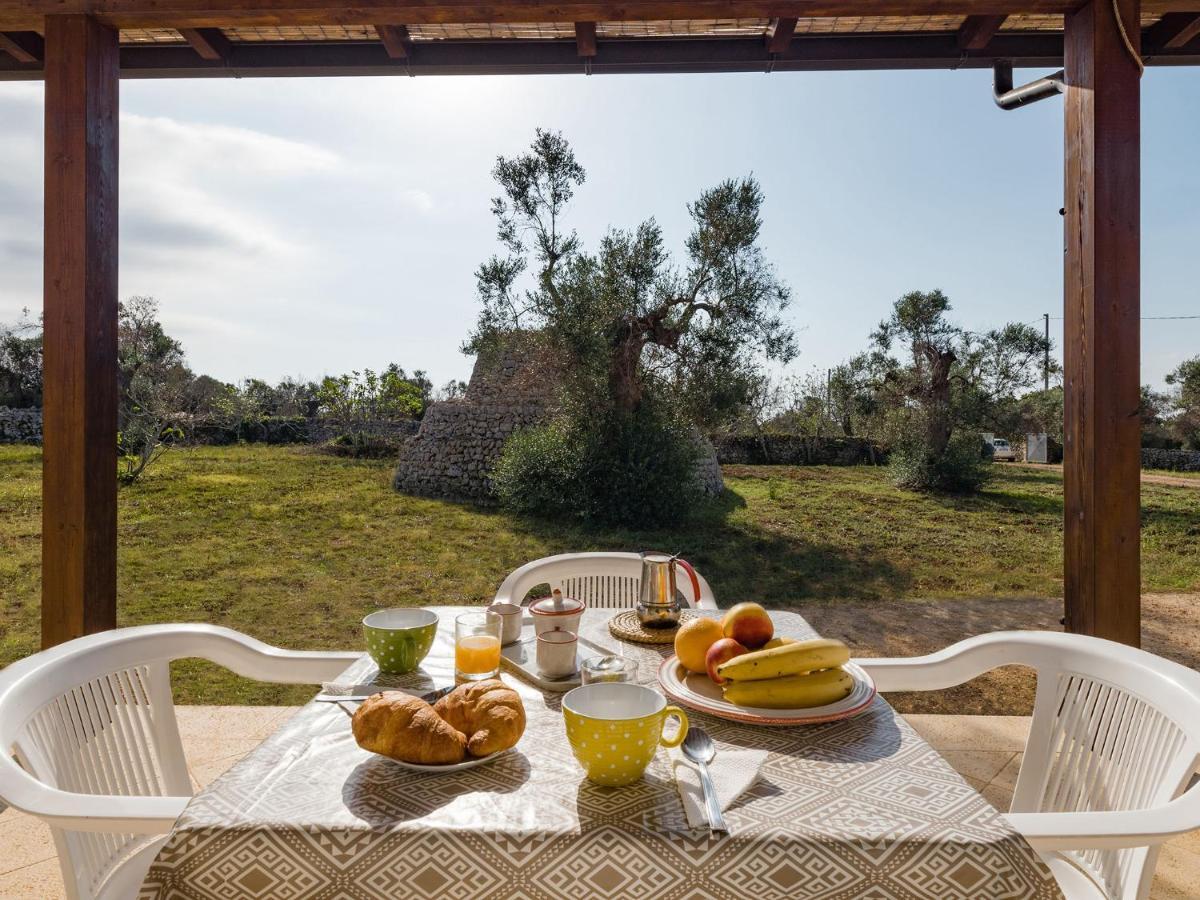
column 1046, row 362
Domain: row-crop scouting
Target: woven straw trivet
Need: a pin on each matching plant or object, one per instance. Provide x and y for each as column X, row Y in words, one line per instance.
column 625, row 625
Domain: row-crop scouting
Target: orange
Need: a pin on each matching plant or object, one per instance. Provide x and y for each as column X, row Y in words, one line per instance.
column 693, row 640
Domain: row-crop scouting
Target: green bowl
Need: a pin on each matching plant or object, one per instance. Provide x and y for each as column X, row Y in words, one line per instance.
column 398, row 639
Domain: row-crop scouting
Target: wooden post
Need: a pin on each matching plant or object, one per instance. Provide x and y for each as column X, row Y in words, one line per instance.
column 79, row 466
column 1102, row 428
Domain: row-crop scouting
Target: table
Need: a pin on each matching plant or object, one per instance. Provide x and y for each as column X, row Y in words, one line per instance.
column 859, row 808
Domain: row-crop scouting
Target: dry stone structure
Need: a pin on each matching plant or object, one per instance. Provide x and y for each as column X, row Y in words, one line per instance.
column 20, row 426
column 460, row 440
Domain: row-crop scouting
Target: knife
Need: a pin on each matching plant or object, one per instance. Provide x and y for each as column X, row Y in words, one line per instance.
column 361, row 692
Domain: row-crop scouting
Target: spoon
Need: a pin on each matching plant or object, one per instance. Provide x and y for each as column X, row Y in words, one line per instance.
column 699, row 748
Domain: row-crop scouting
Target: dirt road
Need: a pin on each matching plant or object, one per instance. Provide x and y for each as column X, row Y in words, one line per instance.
column 1147, row 477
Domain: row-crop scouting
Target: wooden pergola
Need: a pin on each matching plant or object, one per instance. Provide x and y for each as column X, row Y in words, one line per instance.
column 81, row 48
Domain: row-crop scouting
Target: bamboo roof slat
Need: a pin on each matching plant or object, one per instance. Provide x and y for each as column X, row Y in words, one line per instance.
column 624, row 30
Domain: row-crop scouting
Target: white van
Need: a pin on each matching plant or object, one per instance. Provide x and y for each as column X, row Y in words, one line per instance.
column 1001, row 450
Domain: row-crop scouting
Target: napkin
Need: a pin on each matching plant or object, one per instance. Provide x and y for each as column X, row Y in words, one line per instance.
column 345, row 688
column 732, row 771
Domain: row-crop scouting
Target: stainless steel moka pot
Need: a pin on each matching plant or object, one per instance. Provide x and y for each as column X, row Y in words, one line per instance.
column 658, row 604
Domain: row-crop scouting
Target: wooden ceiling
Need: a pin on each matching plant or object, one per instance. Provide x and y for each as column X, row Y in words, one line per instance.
column 197, row 38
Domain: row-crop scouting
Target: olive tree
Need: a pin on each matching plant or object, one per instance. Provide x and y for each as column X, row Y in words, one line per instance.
column 649, row 346
column 21, row 363
column 947, row 385
column 153, row 381
column 629, row 318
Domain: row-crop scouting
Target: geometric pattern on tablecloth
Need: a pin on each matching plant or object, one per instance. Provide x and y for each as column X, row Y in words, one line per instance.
column 872, row 836
column 922, row 793
column 960, row 870
column 770, row 869
column 431, row 866
column 861, row 809
column 516, row 849
column 262, row 864
column 605, row 862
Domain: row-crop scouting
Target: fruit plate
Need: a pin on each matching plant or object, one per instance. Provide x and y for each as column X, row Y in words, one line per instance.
column 450, row 767
column 698, row 692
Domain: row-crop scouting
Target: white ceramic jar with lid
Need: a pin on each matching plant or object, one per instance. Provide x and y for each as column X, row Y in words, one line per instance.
column 556, row 612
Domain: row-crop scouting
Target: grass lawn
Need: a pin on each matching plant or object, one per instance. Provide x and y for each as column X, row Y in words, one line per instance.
column 295, row 547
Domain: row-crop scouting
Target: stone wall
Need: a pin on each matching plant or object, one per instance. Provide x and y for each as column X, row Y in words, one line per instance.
column 20, row 426
column 1175, row 460
column 460, row 441
column 24, row 426
column 708, row 470
column 796, row 450
column 288, row 430
column 458, row 444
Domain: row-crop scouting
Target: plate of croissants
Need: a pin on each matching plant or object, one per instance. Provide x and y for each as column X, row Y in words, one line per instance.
column 471, row 725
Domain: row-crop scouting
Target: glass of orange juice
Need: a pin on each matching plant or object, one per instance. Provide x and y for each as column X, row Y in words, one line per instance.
column 477, row 646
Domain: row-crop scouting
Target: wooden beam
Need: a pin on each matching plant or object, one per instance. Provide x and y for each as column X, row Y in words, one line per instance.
column 585, row 39
column 621, row 56
column 209, row 43
column 23, row 46
column 779, row 35
column 1102, row 432
column 977, row 31
column 395, row 40
column 625, row 56
column 79, row 465
column 1173, row 31
column 28, row 15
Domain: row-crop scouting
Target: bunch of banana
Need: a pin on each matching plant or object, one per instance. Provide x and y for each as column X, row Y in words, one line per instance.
column 792, row 675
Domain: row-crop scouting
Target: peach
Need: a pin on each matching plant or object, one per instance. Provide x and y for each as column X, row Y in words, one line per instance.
column 749, row 625
column 722, row 651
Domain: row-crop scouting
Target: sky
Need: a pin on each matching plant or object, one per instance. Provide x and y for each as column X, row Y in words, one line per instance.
column 299, row 227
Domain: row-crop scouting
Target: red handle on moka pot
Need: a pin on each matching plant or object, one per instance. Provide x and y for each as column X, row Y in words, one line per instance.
column 692, row 575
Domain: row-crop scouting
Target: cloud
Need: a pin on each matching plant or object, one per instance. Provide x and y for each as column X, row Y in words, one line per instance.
column 187, row 325
column 164, row 221
column 190, row 188
column 416, row 199
column 160, row 145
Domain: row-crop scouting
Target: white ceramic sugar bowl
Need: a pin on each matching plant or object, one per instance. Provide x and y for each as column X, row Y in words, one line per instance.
column 557, row 611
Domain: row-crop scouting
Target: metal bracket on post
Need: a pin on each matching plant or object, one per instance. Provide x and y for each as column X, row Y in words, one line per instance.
column 1008, row 97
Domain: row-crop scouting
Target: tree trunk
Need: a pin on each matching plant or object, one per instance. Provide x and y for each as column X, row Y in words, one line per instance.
column 624, row 385
column 940, row 426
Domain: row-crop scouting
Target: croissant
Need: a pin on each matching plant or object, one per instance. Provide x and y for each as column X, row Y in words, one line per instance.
column 489, row 713
column 403, row 727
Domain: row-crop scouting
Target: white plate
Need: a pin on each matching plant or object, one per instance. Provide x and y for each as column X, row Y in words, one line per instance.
column 699, row 692
column 451, row 767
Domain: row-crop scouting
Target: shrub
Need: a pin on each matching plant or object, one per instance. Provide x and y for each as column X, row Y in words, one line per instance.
column 539, row 471
column 632, row 469
column 362, row 446
column 962, row 468
column 141, row 443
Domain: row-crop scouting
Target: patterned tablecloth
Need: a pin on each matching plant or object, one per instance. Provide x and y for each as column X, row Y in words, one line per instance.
column 860, row 808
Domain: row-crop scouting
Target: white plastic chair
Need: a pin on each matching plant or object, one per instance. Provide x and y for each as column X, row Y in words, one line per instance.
column 93, row 725
column 601, row 580
column 1114, row 743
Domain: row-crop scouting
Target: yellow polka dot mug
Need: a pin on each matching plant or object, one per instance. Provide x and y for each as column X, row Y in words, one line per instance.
column 615, row 728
